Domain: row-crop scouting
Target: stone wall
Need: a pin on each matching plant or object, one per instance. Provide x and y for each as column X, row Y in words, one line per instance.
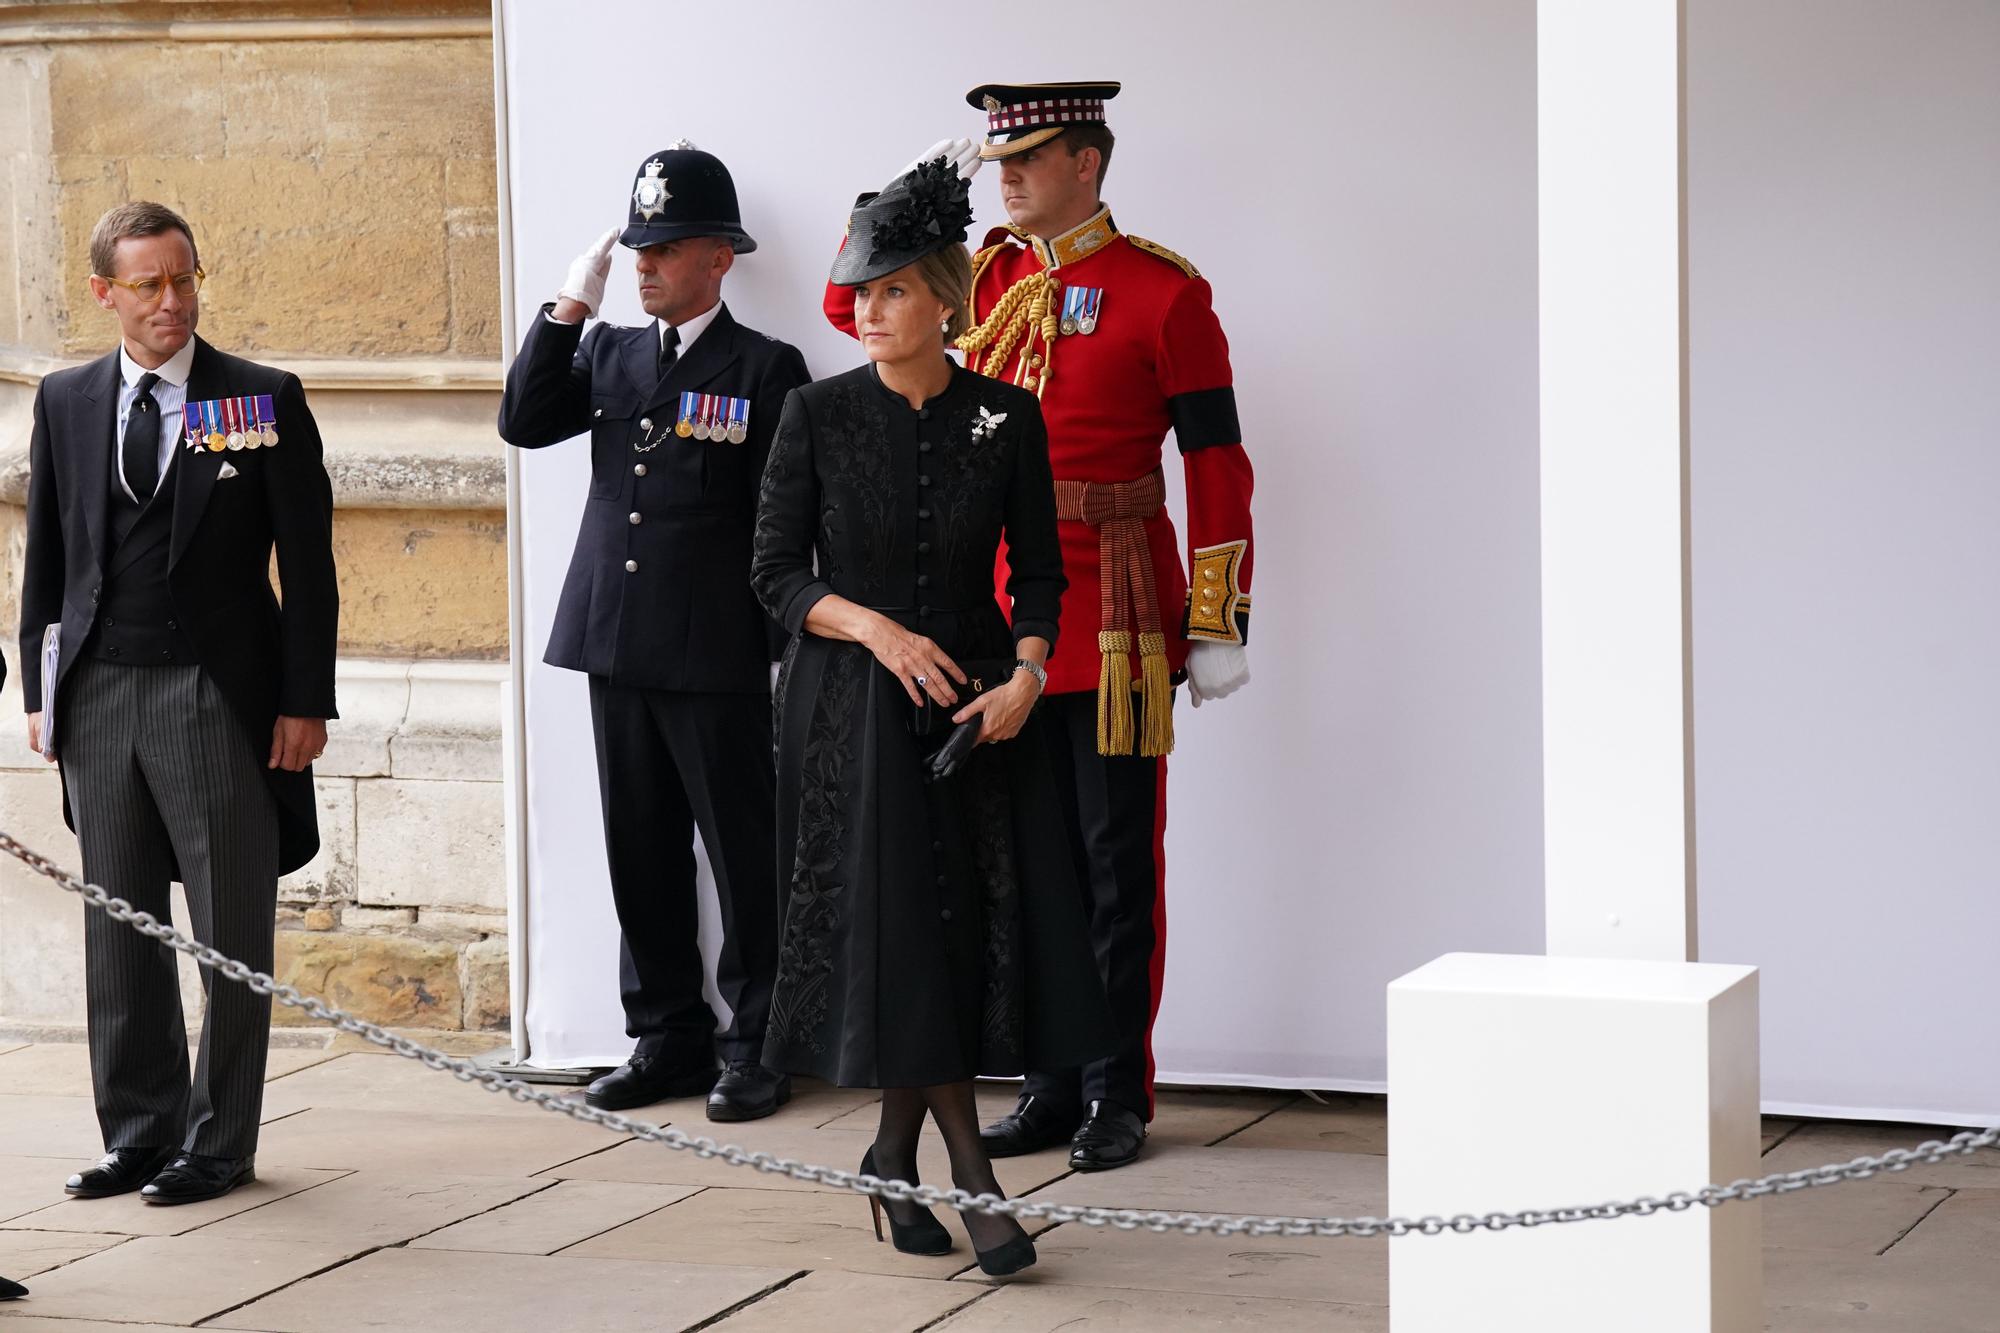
column 336, row 162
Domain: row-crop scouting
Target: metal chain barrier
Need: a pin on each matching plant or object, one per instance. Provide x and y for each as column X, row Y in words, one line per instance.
column 1125, row 1219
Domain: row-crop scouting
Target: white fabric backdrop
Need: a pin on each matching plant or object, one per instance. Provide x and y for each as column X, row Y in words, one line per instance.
column 1358, row 182
column 1844, row 173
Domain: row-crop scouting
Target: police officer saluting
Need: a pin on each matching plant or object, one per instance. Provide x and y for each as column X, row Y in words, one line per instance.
column 657, row 611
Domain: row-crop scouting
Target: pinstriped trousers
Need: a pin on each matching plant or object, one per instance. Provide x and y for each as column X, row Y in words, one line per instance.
column 165, row 783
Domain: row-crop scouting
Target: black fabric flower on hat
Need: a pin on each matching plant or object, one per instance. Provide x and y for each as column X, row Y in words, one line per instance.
column 927, row 208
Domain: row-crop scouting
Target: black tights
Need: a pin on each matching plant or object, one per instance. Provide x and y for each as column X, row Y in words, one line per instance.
column 952, row 1106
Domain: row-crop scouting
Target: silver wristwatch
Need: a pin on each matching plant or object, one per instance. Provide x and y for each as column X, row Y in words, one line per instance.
column 1034, row 669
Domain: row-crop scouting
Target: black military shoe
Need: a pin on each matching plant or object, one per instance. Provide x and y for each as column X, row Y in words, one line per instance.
column 11, row 1291
column 748, row 1091
column 192, row 1177
column 1111, row 1137
column 1033, row 1125
column 645, row 1079
column 122, row 1171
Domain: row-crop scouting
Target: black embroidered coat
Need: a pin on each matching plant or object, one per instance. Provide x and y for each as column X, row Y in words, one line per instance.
column 933, row 931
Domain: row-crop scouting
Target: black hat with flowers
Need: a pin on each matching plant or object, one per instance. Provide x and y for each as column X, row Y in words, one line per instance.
column 923, row 210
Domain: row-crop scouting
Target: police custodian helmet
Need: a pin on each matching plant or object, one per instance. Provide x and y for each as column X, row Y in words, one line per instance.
column 680, row 192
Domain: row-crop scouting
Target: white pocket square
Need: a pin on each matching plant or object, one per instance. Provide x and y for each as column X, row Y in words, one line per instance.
column 228, row 471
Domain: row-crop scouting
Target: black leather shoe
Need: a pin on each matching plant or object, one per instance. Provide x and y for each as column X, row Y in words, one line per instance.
column 748, row 1091
column 11, row 1291
column 1032, row 1126
column 122, row 1171
column 1111, row 1137
column 645, row 1079
column 192, row 1177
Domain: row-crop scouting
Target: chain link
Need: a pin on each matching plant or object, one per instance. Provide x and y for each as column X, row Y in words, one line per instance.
column 1124, row 1219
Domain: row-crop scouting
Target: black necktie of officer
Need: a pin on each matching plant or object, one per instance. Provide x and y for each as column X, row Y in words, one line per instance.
column 670, row 345
column 142, row 441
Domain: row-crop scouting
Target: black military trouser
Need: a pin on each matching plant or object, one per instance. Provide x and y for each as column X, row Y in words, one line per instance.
column 669, row 763
column 1116, row 811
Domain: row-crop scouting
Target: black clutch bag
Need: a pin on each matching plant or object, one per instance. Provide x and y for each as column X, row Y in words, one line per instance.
column 981, row 674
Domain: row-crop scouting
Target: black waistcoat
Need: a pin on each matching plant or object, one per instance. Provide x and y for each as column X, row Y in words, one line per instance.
column 136, row 621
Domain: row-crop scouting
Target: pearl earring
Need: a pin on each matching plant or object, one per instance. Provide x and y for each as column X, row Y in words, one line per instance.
column 944, row 326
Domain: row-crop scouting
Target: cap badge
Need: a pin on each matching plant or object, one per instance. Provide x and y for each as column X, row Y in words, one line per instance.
column 991, row 102
column 650, row 194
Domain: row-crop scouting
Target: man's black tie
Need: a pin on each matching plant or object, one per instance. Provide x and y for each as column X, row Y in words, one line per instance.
column 142, row 441
column 669, row 350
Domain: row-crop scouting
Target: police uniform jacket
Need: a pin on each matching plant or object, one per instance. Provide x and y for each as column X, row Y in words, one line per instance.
column 658, row 592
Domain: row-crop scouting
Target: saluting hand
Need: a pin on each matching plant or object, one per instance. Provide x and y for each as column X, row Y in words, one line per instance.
column 585, row 283
column 963, row 154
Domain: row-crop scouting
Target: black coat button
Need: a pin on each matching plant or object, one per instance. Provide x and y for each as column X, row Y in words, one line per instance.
column 937, row 847
column 173, row 624
column 924, row 479
column 941, row 881
column 112, row 651
column 923, row 548
column 923, row 613
column 923, row 513
column 924, row 414
column 945, row 915
column 923, row 580
column 109, row 623
column 924, row 448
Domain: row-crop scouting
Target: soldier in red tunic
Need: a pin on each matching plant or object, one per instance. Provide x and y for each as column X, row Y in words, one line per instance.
column 1119, row 337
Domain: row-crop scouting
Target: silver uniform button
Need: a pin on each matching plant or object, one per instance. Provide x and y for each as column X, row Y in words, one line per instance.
column 598, row 413
column 645, row 423
column 638, row 469
column 631, row 566
column 634, row 519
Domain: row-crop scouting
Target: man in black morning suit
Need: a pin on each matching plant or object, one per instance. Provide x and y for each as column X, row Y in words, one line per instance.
column 188, row 704
column 657, row 610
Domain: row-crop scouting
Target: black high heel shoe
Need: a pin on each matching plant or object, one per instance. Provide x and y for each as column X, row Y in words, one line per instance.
column 1008, row 1259
column 926, row 1235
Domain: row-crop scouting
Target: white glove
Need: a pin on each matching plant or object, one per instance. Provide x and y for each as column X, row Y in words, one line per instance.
column 585, row 283
column 1216, row 670
column 963, row 154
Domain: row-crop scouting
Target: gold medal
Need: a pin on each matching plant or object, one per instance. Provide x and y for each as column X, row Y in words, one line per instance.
column 217, row 441
column 685, row 428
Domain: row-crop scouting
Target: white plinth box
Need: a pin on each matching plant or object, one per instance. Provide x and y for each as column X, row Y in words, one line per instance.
column 1529, row 1082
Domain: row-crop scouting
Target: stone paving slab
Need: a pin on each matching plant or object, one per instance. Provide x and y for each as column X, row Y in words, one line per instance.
column 780, row 1229
column 654, row 1163
column 129, row 1215
column 1823, row 1141
column 1864, row 1218
column 370, row 1208
column 39, row 1125
column 62, row 1069
column 26, row 1253
column 1824, row 1291
column 171, row 1279
column 438, row 1143
column 565, row 1214
column 1293, row 1268
column 1027, row 1306
column 1237, row 1180
column 1963, row 1230
column 834, row 1302
column 30, row 1184
column 29, row 1323
column 358, row 1081
column 409, row 1290
column 1346, row 1123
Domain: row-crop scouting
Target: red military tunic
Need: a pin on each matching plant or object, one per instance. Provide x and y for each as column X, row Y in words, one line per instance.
column 1155, row 359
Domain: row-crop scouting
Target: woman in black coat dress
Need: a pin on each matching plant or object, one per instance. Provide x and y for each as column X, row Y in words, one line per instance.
column 933, row 929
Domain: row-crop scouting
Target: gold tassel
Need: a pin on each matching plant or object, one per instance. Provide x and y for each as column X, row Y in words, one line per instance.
column 1157, row 686
column 1114, row 692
